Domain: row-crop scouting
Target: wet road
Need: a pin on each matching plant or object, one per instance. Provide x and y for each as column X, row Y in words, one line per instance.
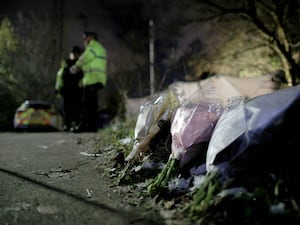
column 45, row 180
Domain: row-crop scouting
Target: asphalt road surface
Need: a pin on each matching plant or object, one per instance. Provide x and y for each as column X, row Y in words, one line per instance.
column 45, row 180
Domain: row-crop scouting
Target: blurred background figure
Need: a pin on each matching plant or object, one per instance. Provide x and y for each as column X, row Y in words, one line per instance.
column 93, row 64
column 68, row 86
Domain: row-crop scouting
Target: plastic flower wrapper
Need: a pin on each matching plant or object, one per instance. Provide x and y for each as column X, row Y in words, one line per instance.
column 261, row 130
column 192, row 125
column 152, row 114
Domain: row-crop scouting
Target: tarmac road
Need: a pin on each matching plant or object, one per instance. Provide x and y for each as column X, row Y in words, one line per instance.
column 44, row 180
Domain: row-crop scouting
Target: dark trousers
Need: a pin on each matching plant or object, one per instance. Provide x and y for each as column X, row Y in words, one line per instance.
column 72, row 108
column 90, row 107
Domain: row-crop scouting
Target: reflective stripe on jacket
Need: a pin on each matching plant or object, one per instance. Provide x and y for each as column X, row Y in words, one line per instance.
column 93, row 64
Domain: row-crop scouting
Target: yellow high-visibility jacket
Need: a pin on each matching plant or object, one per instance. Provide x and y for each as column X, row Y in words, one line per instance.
column 93, row 64
column 59, row 80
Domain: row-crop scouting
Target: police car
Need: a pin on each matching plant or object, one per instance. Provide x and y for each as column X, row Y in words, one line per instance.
column 36, row 116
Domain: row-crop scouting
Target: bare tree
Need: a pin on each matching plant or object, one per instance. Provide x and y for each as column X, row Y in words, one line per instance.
column 39, row 55
column 275, row 20
column 9, row 94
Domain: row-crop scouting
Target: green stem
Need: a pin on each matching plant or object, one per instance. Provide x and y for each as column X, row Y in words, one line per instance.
column 163, row 177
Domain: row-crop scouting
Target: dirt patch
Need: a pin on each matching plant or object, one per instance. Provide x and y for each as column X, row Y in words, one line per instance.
column 135, row 196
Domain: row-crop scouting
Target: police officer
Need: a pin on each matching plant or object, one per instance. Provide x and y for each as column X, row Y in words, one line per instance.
column 67, row 86
column 93, row 64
